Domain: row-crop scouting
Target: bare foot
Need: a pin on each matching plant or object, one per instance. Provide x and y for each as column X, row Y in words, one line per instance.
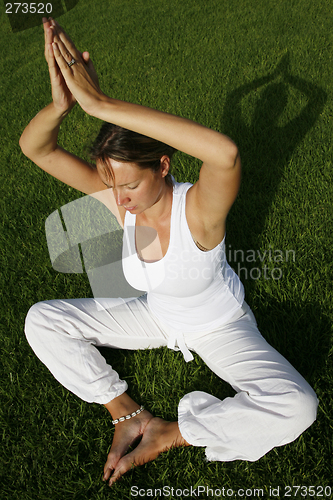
column 125, row 435
column 158, row 436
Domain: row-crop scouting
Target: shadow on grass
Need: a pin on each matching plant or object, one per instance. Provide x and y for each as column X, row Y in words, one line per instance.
column 259, row 120
column 300, row 333
column 266, row 145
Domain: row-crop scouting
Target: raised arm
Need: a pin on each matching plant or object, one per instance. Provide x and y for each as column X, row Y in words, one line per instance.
column 185, row 135
column 212, row 196
column 39, row 139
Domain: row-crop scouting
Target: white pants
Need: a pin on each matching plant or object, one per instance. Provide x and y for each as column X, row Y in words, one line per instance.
column 273, row 404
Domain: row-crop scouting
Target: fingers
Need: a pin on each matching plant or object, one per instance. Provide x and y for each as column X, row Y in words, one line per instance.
column 65, row 49
column 65, row 39
column 49, row 55
column 54, row 32
column 48, row 37
column 53, row 66
column 85, row 57
column 60, row 53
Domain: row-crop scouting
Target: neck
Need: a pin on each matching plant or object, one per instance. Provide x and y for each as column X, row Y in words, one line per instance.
column 161, row 209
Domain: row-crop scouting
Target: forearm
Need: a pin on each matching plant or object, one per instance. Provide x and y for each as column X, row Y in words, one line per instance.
column 40, row 136
column 212, row 147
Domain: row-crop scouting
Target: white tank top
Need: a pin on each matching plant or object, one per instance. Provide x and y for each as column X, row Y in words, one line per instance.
column 188, row 289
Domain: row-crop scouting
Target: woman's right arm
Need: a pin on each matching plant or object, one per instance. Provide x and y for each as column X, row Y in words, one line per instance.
column 39, row 139
column 39, row 143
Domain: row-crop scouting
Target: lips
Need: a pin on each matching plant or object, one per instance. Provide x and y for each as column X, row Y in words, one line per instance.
column 130, row 208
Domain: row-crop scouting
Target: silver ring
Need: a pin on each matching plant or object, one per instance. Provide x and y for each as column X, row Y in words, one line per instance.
column 71, row 62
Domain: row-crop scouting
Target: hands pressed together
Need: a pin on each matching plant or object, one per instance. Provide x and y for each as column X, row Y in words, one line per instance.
column 71, row 82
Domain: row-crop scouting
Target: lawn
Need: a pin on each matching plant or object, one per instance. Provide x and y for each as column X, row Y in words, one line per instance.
column 259, row 71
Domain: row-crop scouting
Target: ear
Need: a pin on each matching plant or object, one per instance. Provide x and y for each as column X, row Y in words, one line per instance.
column 165, row 165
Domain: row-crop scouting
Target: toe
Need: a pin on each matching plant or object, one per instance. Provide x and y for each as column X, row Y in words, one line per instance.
column 110, row 464
column 124, row 465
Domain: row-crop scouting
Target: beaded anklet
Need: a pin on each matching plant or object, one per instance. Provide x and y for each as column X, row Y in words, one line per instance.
column 127, row 417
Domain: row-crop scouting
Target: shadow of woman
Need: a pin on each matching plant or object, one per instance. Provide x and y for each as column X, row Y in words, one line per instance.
column 300, row 333
column 265, row 145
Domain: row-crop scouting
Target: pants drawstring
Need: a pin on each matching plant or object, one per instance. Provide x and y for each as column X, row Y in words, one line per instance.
column 178, row 338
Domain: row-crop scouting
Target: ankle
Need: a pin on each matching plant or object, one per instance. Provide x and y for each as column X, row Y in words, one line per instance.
column 174, row 432
column 121, row 406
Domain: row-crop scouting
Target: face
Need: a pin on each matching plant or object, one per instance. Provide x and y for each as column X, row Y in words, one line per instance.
column 134, row 188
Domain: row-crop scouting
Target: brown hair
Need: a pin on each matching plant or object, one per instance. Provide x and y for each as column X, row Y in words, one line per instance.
column 124, row 145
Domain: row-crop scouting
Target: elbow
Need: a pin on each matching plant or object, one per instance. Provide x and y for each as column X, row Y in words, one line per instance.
column 236, row 157
column 232, row 158
column 231, row 155
column 23, row 145
column 26, row 150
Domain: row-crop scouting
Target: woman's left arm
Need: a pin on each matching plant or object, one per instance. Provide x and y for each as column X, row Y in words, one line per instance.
column 220, row 174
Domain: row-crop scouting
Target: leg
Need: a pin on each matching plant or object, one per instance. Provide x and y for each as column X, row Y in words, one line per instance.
column 273, row 404
column 63, row 334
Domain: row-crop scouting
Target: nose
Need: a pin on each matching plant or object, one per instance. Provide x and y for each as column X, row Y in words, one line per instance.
column 121, row 199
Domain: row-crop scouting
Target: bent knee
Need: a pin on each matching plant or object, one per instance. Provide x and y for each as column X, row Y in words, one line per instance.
column 307, row 407
column 31, row 320
column 303, row 410
column 35, row 321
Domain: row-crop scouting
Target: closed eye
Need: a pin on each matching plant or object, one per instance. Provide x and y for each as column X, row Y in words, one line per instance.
column 111, row 187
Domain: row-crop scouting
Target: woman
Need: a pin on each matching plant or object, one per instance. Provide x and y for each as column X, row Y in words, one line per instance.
column 194, row 298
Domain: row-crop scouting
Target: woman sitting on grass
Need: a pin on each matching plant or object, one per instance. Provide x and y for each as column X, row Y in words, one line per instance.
column 194, row 299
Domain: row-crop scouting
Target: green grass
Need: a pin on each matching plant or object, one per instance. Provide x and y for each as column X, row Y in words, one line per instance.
column 260, row 71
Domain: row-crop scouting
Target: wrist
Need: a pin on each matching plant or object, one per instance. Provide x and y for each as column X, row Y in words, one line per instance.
column 100, row 108
column 60, row 112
